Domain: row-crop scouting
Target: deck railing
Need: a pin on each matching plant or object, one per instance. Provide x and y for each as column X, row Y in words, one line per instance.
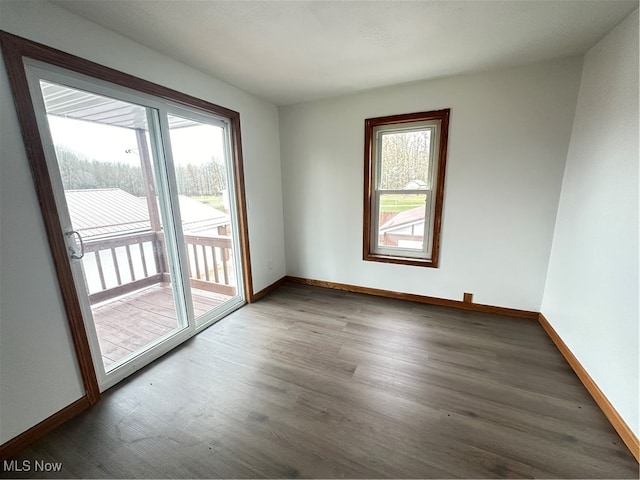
column 210, row 264
column 124, row 264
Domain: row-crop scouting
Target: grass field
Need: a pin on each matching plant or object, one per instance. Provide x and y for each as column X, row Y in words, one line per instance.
column 214, row 201
column 399, row 203
column 389, row 203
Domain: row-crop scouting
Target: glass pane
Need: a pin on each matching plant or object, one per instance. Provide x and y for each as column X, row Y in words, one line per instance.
column 102, row 151
column 200, row 165
column 401, row 221
column 404, row 160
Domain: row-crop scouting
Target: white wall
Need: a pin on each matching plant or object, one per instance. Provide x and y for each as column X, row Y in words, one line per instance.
column 591, row 295
column 38, row 368
column 38, row 373
column 508, row 140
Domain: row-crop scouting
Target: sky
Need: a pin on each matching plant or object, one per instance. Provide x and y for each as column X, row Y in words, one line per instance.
column 106, row 143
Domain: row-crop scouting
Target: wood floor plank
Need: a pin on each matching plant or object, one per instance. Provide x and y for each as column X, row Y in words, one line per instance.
column 318, row 383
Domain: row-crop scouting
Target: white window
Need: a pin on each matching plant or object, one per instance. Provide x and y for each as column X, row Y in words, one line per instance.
column 404, row 181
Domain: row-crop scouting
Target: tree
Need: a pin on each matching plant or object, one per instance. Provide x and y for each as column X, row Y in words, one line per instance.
column 198, row 180
column 405, row 158
column 79, row 172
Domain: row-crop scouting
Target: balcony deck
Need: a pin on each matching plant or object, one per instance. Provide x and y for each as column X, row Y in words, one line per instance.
column 129, row 322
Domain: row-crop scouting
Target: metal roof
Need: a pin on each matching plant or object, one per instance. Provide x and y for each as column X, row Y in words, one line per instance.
column 404, row 218
column 108, row 212
column 104, row 212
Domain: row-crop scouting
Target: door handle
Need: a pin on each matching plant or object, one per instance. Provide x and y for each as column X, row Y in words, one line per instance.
column 72, row 248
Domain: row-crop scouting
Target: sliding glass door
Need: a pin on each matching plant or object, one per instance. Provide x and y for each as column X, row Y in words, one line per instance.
column 145, row 195
column 201, row 162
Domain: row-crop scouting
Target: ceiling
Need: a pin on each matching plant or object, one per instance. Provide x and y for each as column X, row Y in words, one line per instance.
column 294, row 51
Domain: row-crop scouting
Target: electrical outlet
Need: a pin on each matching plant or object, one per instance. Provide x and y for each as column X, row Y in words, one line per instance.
column 270, row 265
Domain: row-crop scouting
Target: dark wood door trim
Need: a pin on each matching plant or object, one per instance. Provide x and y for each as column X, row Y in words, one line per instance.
column 15, row 50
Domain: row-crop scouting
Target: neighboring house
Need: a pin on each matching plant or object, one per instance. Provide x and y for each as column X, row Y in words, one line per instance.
column 405, row 229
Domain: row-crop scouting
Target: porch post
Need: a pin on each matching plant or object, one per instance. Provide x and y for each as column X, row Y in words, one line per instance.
column 147, row 178
column 150, row 194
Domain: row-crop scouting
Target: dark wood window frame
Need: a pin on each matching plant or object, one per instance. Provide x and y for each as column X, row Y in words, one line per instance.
column 369, row 223
column 15, row 50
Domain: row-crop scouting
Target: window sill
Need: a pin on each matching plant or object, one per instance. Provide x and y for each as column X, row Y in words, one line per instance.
column 417, row 262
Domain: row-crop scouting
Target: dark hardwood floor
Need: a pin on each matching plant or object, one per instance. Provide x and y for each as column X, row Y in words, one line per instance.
column 311, row 382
